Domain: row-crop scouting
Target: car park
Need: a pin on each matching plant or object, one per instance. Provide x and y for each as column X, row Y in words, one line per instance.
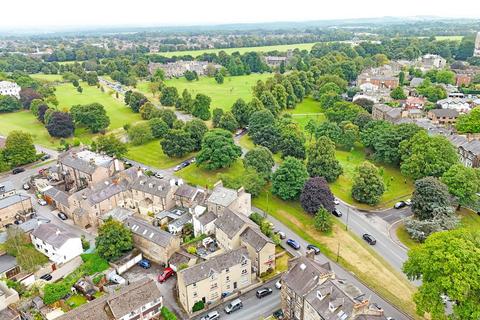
column 278, row 285
column 336, row 213
column 144, row 263
column 369, row 238
column 315, row 249
column 18, row 170
column 233, row 306
column 294, row 244
column 26, row 186
column 263, row 292
column 278, row 314
column 46, row 277
column 211, row 316
column 42, row 202
column 167, row 273
column 62, row 216
column 400, row 205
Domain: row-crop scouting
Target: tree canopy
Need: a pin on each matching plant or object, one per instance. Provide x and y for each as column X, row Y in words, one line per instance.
column 316, row 194
column 218, row 150
column 368, row 186
column 288, row 180
column 113, row 240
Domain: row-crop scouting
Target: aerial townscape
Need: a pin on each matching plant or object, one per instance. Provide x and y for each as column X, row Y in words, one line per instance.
column 269, row 163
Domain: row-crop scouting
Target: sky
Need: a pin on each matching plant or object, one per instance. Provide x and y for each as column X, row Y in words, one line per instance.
column 24, row 14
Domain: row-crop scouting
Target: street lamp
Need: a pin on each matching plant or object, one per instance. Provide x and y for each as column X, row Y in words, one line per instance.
column 348, row 214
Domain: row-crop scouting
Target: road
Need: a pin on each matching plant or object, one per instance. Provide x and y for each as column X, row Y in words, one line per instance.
column 341, row 273
column 253, row 308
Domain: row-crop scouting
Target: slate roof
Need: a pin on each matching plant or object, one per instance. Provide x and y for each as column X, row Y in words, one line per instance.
column 231, row 223
column 11, row 200
column 151, row 185
column 305, row 275
column 450, row 113
column 186, row 191
column 415, row 82
column 118, row 213
column 149, row 232
column 7, row 262
column 7, row 186
column 222, row 196
column 215, row 264
column 255, row 238
column 84, row 160
column 180, row 257
column 57, row 195
column 53, row 234
column 9, row 314
column 207, row 217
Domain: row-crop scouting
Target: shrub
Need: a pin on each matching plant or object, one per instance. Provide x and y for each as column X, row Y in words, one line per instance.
column 167, row 314
column 199, row 305
column 192, row 250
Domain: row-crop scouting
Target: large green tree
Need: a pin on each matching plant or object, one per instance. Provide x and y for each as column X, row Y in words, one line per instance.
column 321, row 161
column 197, row 129
column 140, row 133
column 201, row 106
column 93, row 116
column 177, row 143
column 19, row 148
column 430, row 193
column 344, row 111
column 111, row 145
column 113, row 240
column 288, row 180
column 368, row 186
column 228, row 122
column 218, row 150
column 470, row 122
column 447, row 264
column 260, row 159
column 463, row 183
column 169, row 96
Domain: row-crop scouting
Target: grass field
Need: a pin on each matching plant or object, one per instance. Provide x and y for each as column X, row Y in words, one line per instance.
column 151, row 154
column 451, row 38
column 404, row 237
column 195, row 53
column 201, row 177
column 354, row 254
column 47, row 77
column 305, row 111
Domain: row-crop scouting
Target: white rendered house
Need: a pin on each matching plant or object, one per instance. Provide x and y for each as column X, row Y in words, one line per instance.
column 8, row 88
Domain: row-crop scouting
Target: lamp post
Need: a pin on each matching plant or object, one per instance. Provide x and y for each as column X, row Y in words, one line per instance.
column 348, row 214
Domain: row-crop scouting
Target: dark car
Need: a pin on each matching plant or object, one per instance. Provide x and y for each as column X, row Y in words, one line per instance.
column 314, row 248
column 294, row 244
column 400, row 205
column 18, row 170
column 46, row 277
column 167, row 273
column 336, row 213
column 278, row 314
column 263, row 292
column 45, row 157
column 144, row 263
column 62, row 216
column 369, row 238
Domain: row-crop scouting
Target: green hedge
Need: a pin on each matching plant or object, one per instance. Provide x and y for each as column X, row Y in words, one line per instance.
column 167, row 314
column 199, row 305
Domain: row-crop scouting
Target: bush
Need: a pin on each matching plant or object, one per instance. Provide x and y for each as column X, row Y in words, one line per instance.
column 167, row 314
column 199, row 305
column 192, row 250
column 85, row 243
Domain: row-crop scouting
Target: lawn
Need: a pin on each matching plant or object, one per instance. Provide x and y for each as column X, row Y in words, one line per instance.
column 404, row 237
column 282, row 48
column 195, row 175
column 47, row 77
column 151, row 154
column 450, row 38
column 223, row 95
column 354, row 254
column 76, row 301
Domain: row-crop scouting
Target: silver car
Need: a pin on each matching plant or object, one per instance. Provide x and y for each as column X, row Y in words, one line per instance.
column 211, row 316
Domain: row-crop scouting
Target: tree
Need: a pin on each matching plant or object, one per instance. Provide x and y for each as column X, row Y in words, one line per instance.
column 140, row 133
column 315, row 195
column 191, row 75
column 445, row 76
column 42, row 109
column 228, row 122
column 158, row 75
column 169, row 96
column 93, row 116
column 260, row 159
column 242, row 112
column 177, row 143
column 368, row 186
column 430, row 193
column 288, row 180
column 292, row 141
column 217, row 115
column 344, row 111
column 9, row 104
column 60, row 125
column 270, row 103
column 321, row 161
column 27, row 95
column 462, row 182
column 113, row 240
column 159, row 127
column 92, row 78
column 168, row 116
column 148, row 111
column 253, row 182
column 219, row 78
column 447, row 263
column 111, row 145
column 197, row 129
column 218, row 150
column 398, row 94
column 79, row 89
column 470, row 122
column 424, row 155
column 135, row 100
column 201, row 106
column 323, row 221
column 349, row 135
column 263, row 130
column 366, row 104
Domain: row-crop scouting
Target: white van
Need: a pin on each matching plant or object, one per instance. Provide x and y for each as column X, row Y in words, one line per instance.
column 233, row 306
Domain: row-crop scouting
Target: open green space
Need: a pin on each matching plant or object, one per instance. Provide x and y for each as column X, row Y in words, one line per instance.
column 282, row 48
column 198, row 176
column 450, row 38
column 47, row 77
column 404, row 237
column 151, row 154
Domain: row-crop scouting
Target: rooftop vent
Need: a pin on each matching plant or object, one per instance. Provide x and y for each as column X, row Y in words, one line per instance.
column 303, row 267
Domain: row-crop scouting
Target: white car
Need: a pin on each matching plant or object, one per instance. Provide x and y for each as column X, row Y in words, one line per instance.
column 158, row 175
column 278, row 285
column 336, row 202
column 42, row 202
column 26, row 186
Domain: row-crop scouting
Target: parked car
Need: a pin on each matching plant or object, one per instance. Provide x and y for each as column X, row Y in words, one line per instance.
column 294, row 244
column 167, row 273
column 115, row 278
column 263, row 292
column 211, row 316
column 46, row 277
column 42, row 202
column 17, row 222
column 278, row 285
column 400, row 205
column 18, row 170
column 336, row 213
column 45, row 157
column 314, row 248
column 369, row 238
column 62, row 216
column 144, row 263
column 282, row 235
column 408, row 202
column 233, row 306
column 278, row 314
column 26, row 186
column 158, row 175
column 336, row 202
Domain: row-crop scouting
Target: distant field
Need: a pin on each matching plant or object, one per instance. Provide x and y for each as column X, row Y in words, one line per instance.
column 451, row 38
column 47, row 77
column 223, row 95
column 285, row 47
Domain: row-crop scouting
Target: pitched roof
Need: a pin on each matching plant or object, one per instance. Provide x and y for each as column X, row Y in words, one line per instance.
column 151, row 185
column 186, row 191
column 222, row 196
column 305, row 275
column 9, row 314
column 149, row 232
column 7, row 186
column 451, row 113
column 53, row 234
column 84, row 160
column 231, row 223
column 57, row 195
column 215, row 264
column 117, row 213
column 255, row 238
column 7, row 262
column 10, row 201
column 207, row 217
column 180, row 257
